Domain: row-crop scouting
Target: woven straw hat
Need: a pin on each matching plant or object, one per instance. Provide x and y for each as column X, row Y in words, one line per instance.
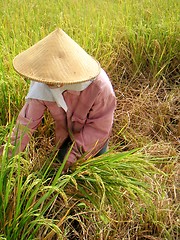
column 56, row 59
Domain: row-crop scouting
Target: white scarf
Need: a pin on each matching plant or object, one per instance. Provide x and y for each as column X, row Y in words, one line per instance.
column 41, row 91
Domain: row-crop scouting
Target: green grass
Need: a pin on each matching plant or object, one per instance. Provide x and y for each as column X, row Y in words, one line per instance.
column 132, row 38
column 121, row 195
column 27, row 197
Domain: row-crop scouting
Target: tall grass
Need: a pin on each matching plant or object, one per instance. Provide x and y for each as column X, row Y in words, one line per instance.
column 129, row 38
column 119, row 195
column 44, row 203
column 151, row 36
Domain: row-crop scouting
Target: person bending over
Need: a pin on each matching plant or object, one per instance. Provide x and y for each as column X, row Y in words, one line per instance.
column 72, row 86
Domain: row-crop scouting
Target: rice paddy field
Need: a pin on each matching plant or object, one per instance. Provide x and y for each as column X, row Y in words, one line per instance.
column 132, row 191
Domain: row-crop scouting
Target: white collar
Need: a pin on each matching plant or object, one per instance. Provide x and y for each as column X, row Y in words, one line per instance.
column 41, row 91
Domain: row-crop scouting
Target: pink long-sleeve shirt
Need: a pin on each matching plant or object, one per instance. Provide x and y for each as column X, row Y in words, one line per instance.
column 88, row 120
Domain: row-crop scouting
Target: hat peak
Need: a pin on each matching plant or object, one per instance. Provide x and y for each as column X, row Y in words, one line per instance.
column 56, row 58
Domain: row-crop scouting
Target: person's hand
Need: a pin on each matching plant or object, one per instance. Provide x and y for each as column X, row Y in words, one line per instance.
column 66, row 168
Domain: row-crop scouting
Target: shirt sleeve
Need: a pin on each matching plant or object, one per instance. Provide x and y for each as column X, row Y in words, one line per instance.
column 27, row 122
column 96, row 130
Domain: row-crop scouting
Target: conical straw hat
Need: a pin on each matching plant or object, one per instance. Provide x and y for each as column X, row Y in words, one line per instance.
column 56, row 59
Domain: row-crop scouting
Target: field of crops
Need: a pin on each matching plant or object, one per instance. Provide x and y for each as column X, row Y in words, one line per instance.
column 131, row 192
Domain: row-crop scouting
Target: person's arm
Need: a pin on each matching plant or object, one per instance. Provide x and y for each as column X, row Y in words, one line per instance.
column 96, row 131
column 27, row 122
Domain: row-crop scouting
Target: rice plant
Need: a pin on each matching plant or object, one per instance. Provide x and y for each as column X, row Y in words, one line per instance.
column 109, row 185
column 124, row 194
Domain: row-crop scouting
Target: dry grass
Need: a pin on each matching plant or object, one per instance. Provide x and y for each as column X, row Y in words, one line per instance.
column 147, row 116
